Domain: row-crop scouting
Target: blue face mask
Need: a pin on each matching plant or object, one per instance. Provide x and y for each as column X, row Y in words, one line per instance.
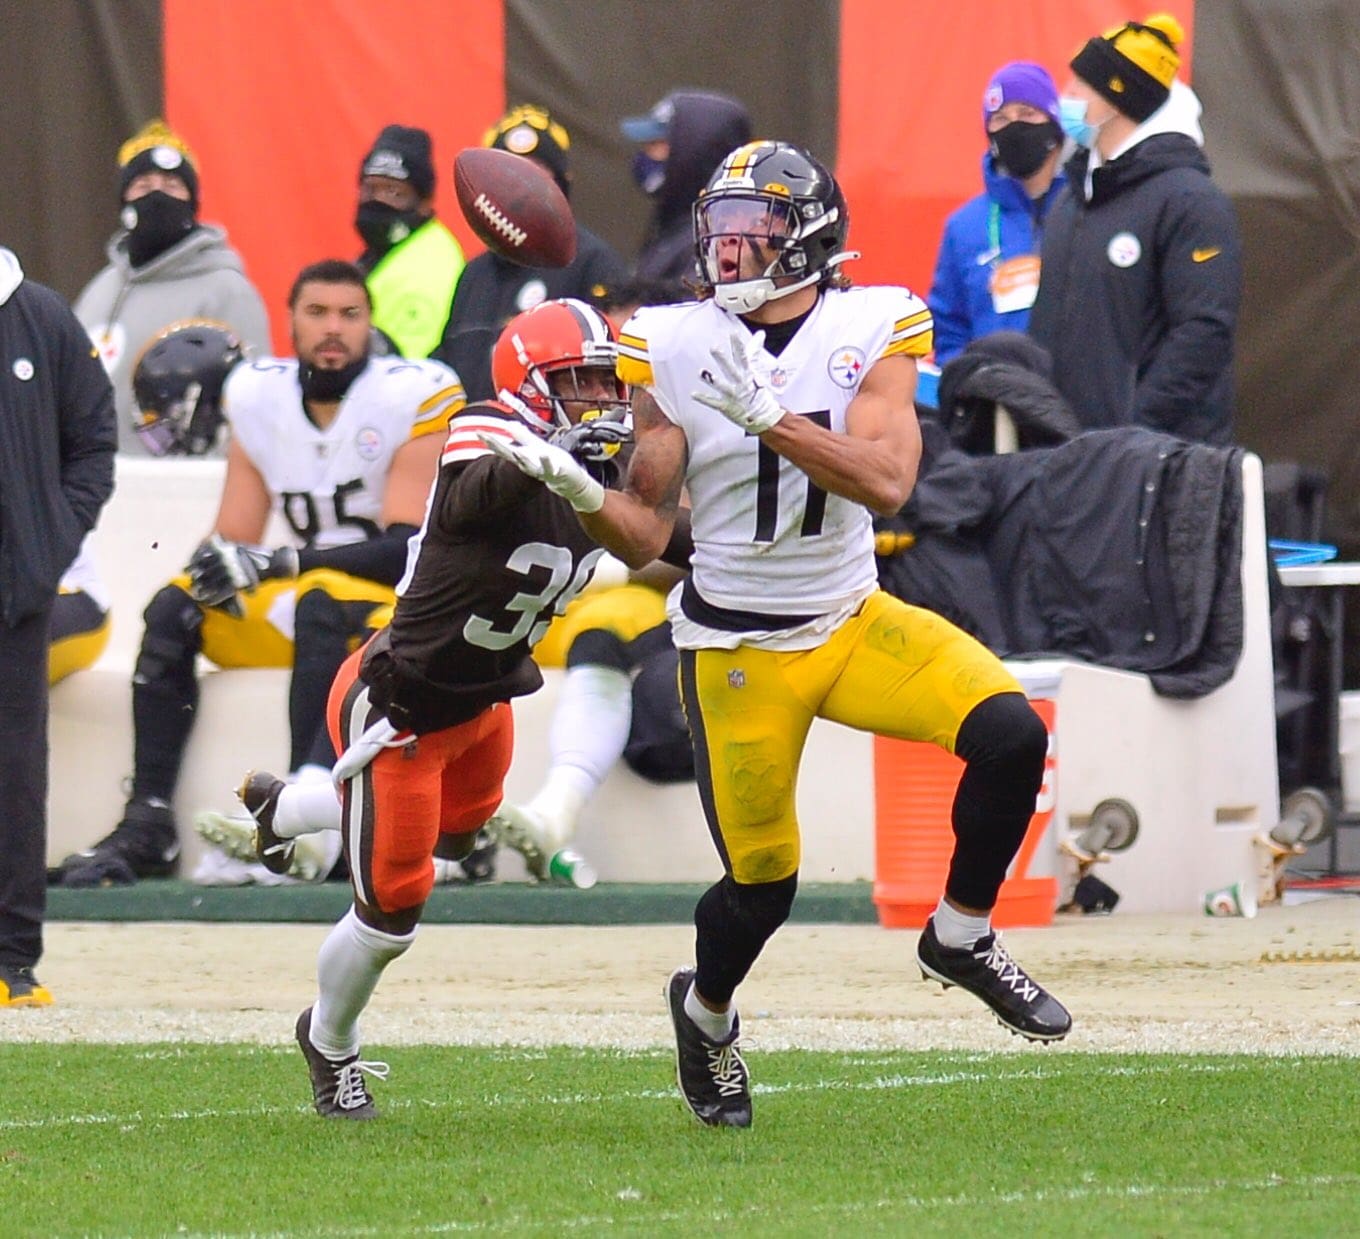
column 1072, row 118
column 649, row 173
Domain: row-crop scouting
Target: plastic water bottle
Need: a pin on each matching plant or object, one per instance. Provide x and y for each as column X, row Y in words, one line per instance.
column 571, row 867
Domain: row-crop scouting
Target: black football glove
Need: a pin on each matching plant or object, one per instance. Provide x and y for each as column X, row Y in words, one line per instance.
column 221, row 571
column 594, row 441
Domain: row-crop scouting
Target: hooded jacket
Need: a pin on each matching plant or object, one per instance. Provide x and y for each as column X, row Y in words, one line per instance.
column 960, row 293
column 124, row 307
column 704, row 129
column 57, row 440
column 1142, row 276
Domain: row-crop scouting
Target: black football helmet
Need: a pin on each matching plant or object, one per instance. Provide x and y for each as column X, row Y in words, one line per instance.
column 769, row 197
column 177, row 387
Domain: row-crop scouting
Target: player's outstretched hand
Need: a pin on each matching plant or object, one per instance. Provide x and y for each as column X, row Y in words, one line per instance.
column 596, row 440
column 736, row 385
column 220, row 571
column 546, row 463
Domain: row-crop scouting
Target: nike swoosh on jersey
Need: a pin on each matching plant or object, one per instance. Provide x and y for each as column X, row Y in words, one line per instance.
column 1205, row 254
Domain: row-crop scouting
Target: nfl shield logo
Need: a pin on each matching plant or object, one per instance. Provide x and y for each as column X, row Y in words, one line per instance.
column 736, row 678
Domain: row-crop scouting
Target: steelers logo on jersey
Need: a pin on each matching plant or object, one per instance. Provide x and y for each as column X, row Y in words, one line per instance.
column 369, row 443
column 845, row 366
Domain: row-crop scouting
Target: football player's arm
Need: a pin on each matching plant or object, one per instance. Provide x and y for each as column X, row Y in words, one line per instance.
column 637, row 524
column 875, row 461
column 244, row 509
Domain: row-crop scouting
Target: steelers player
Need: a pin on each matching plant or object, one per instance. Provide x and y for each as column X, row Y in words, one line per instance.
column 782, row 402
column 344, row 447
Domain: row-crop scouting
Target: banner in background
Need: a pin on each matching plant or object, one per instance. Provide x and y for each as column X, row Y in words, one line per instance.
column 281, row 102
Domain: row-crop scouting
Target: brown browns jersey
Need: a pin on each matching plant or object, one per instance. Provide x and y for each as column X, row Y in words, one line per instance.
column 496, row 558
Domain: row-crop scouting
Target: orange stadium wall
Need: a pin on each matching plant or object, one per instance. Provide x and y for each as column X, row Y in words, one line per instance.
column 908, row 72
column 281, row 101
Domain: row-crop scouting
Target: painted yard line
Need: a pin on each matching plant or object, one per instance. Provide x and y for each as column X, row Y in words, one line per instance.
column 520, row 1224
column 879, row 1084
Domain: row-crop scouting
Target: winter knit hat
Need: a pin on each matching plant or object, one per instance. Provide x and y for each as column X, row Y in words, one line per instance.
column 531, row 130
column 404, row 154
column 1133, row 65
column 1021, row 81
column 157, row 148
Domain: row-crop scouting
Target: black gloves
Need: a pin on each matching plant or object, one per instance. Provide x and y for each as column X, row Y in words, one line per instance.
column 220, row 571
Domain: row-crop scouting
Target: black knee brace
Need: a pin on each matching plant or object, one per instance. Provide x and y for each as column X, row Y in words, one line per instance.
column 601, row 647
column 733, row 923
column 1002, row 743
column 164, row 691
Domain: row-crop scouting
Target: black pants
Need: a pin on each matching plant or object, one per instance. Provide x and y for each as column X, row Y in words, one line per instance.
column 23, row 788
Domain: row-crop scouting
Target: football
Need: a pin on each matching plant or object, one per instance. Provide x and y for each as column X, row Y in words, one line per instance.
column 515, row 207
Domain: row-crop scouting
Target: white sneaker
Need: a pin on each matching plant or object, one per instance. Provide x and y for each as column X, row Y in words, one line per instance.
column 526, row 832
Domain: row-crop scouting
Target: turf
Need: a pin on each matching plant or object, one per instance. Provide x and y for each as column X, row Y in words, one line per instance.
column 198, row 1140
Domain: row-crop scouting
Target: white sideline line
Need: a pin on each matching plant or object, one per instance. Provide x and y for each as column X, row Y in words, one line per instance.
column 945, row 1079
column 841, row 1209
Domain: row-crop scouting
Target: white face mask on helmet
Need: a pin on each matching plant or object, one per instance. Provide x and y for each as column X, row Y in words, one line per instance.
column 771, row 221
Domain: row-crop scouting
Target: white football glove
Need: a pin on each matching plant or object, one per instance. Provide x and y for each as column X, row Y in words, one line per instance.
column 559, row 471
column 737, row 384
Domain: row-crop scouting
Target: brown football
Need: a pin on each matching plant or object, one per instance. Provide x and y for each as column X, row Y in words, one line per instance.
column 514, row 205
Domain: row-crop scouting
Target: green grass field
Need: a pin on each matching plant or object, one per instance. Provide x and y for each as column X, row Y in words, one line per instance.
column 220, row 1140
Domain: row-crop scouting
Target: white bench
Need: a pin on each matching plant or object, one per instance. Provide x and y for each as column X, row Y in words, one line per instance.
column 634, row 831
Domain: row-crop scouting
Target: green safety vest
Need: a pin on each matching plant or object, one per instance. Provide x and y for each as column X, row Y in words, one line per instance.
column 412, row 286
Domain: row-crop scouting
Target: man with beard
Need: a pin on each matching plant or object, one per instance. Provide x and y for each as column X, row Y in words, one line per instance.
column 411, row 259
column 344, row 447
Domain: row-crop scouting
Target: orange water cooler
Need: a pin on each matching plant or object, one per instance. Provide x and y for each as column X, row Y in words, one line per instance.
column 914, row 788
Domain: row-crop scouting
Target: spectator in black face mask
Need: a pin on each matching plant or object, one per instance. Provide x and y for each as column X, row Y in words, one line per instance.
column 411, row 259
column 164, row 266
column 987, row 270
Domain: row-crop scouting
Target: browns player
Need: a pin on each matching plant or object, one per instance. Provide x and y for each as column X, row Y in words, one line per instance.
column 420, row 715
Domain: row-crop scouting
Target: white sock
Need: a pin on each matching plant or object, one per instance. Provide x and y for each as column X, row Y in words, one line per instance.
column 310, row 772
column 715, row 1025
column 587, row 736
column 348, row 966
column 305, row 807
column 957, row 929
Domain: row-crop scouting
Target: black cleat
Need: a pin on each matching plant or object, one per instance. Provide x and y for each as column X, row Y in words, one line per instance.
column 479, row 865
column 987, row 970
column 712, row 1074
column 145, row 844
column 338, row 1088
column 259, row 792
column 20, row 988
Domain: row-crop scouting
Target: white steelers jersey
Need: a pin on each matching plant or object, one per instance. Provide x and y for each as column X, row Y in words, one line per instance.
column 328, row 484
column 766, row 540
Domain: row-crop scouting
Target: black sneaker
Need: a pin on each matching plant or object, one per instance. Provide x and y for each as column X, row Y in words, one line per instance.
column 987, row 970
column 479, row 865
column 20, row 988
column 712, row 1074
column 145, row 844
column 338, row 1087
column 259, row 792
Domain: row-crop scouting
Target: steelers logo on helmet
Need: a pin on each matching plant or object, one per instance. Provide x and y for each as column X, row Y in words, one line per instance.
column 553, row 365
column 770, row 221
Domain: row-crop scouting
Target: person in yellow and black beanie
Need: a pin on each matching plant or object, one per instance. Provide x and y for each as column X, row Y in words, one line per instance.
column 1141, row 273
column 1133, row 65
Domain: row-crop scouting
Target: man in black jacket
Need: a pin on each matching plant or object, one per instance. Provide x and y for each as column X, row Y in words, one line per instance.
column 680, row 142
column 57, row 439
column 1142, row 263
